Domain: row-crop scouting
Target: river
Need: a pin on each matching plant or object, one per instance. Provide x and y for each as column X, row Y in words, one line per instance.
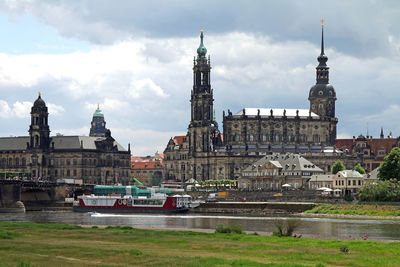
column 323, row 228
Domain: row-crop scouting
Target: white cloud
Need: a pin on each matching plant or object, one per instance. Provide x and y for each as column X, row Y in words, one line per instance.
column 55, row 109
column 145, row 87
column 146, row 83
column 22, row 109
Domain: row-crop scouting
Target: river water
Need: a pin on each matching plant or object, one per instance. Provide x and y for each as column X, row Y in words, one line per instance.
column 318, row 227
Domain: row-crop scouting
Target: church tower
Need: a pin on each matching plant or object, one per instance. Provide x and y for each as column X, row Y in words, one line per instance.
column 98, row 125
column 39, row 130
column 322, row 95
column 202, row 125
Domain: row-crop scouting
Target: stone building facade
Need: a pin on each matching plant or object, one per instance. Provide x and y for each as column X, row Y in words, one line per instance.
column 371, row 151
column 248, row 135
column 95, row 160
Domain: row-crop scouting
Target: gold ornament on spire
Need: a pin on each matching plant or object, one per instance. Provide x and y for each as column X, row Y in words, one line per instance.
column 39, row 94
column 201, row 30
column 98, row 106
column 322, row 22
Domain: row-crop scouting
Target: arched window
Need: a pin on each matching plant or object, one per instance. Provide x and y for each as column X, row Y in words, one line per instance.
column 10, row 162
column 251, row 137
column 36, row 140
column 290, row 137
column 23, row 162
column 237, row 137
column 264, row 138
column 277, row 137
column 316, row 138
column 17, row 162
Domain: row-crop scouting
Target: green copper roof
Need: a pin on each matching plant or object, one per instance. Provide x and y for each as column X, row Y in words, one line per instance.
column 202, row 50
column 98, row 113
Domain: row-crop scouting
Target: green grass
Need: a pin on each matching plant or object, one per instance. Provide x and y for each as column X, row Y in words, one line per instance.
column 64, row 245
column 356, row 209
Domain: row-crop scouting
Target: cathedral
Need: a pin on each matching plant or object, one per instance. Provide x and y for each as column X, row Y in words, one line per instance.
column 206, row 153
column 95, row 159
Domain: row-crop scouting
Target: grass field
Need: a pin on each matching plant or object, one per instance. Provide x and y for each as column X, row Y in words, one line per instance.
column 357, row 209
column 30, row 244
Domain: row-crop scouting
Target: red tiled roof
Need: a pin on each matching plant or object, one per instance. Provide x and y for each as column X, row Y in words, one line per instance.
column 374, row 143
column 386, row 143
column 179, row 140
column 146, row 165
column 137, row 159
column 348, row 143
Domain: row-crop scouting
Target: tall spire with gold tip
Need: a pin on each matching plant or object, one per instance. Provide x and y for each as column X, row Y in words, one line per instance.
column 202, row 50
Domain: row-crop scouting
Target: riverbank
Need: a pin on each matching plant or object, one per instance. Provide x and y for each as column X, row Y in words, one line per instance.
column 31, row 244
column 366, row 210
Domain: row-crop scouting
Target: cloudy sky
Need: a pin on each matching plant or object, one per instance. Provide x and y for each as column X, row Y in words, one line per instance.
column 134, row 58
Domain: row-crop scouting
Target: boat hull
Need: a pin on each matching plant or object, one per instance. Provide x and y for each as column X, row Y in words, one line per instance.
column 128, row 210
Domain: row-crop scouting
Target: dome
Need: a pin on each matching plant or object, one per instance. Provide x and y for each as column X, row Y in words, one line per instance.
column 98, row 113
column 39, row 103
column 202, row 50
column 323, row 91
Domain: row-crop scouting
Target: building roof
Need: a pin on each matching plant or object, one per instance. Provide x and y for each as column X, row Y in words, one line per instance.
column 321, row 178
column 60, row 142
column 372, row 175
column 349, row 173
column 146, row 165
column 288, row 162
column 374, row 143
column 277, row 112
column 14, row 143
column 179, row 139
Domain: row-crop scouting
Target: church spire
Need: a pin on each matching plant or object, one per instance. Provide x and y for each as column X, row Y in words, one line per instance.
column 322, row 68
column 202, row 50
column 382, row 136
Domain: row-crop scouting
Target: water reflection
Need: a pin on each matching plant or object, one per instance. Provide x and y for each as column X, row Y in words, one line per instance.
column 321, row 227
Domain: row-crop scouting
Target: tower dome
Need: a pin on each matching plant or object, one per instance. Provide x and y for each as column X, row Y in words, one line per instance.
column 202, row 50
column 98, row 125
column 39, row 102
column 98, row 112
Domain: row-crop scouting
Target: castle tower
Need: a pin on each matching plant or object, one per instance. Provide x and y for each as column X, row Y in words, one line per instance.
column 201, row 124
column 39, row 130
column 98, row 125
column 322, row 95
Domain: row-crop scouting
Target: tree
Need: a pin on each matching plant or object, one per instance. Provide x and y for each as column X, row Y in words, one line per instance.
column 359, row 169
column 337, row 167
column 156, row 179
column 390, row 168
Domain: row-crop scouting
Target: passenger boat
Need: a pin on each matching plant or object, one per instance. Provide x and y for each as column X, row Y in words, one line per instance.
column 131, row 201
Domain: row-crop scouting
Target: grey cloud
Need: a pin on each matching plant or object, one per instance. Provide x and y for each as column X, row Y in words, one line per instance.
column 356, row 27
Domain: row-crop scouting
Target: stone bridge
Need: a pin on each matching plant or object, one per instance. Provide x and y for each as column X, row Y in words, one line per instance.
column 16, row 195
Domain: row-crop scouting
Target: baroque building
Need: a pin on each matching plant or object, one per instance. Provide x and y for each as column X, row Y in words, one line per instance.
column 96, row 160
column 248, row 135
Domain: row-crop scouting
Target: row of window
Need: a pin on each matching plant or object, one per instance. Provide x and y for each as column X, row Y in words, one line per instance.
column 12, row 162
column 349, row 182
column 276, row 138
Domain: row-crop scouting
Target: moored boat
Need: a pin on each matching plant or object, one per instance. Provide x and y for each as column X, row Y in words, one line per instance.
column 127, row 202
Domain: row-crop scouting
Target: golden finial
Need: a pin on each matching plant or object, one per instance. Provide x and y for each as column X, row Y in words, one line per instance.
column 39, row 94
column 98, row 106
column 322, row 22
column 201, row 30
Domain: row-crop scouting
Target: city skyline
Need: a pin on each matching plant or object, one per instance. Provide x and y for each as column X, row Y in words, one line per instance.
column 140, row 71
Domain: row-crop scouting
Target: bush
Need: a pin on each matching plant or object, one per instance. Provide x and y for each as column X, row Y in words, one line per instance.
column 344, row 249
column 382, row 191
column 223, row 229
column 235, row 229
column 285, row 228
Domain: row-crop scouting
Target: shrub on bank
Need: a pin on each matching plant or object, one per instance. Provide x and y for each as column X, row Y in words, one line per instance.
column 285, row 228
column 235, row 229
